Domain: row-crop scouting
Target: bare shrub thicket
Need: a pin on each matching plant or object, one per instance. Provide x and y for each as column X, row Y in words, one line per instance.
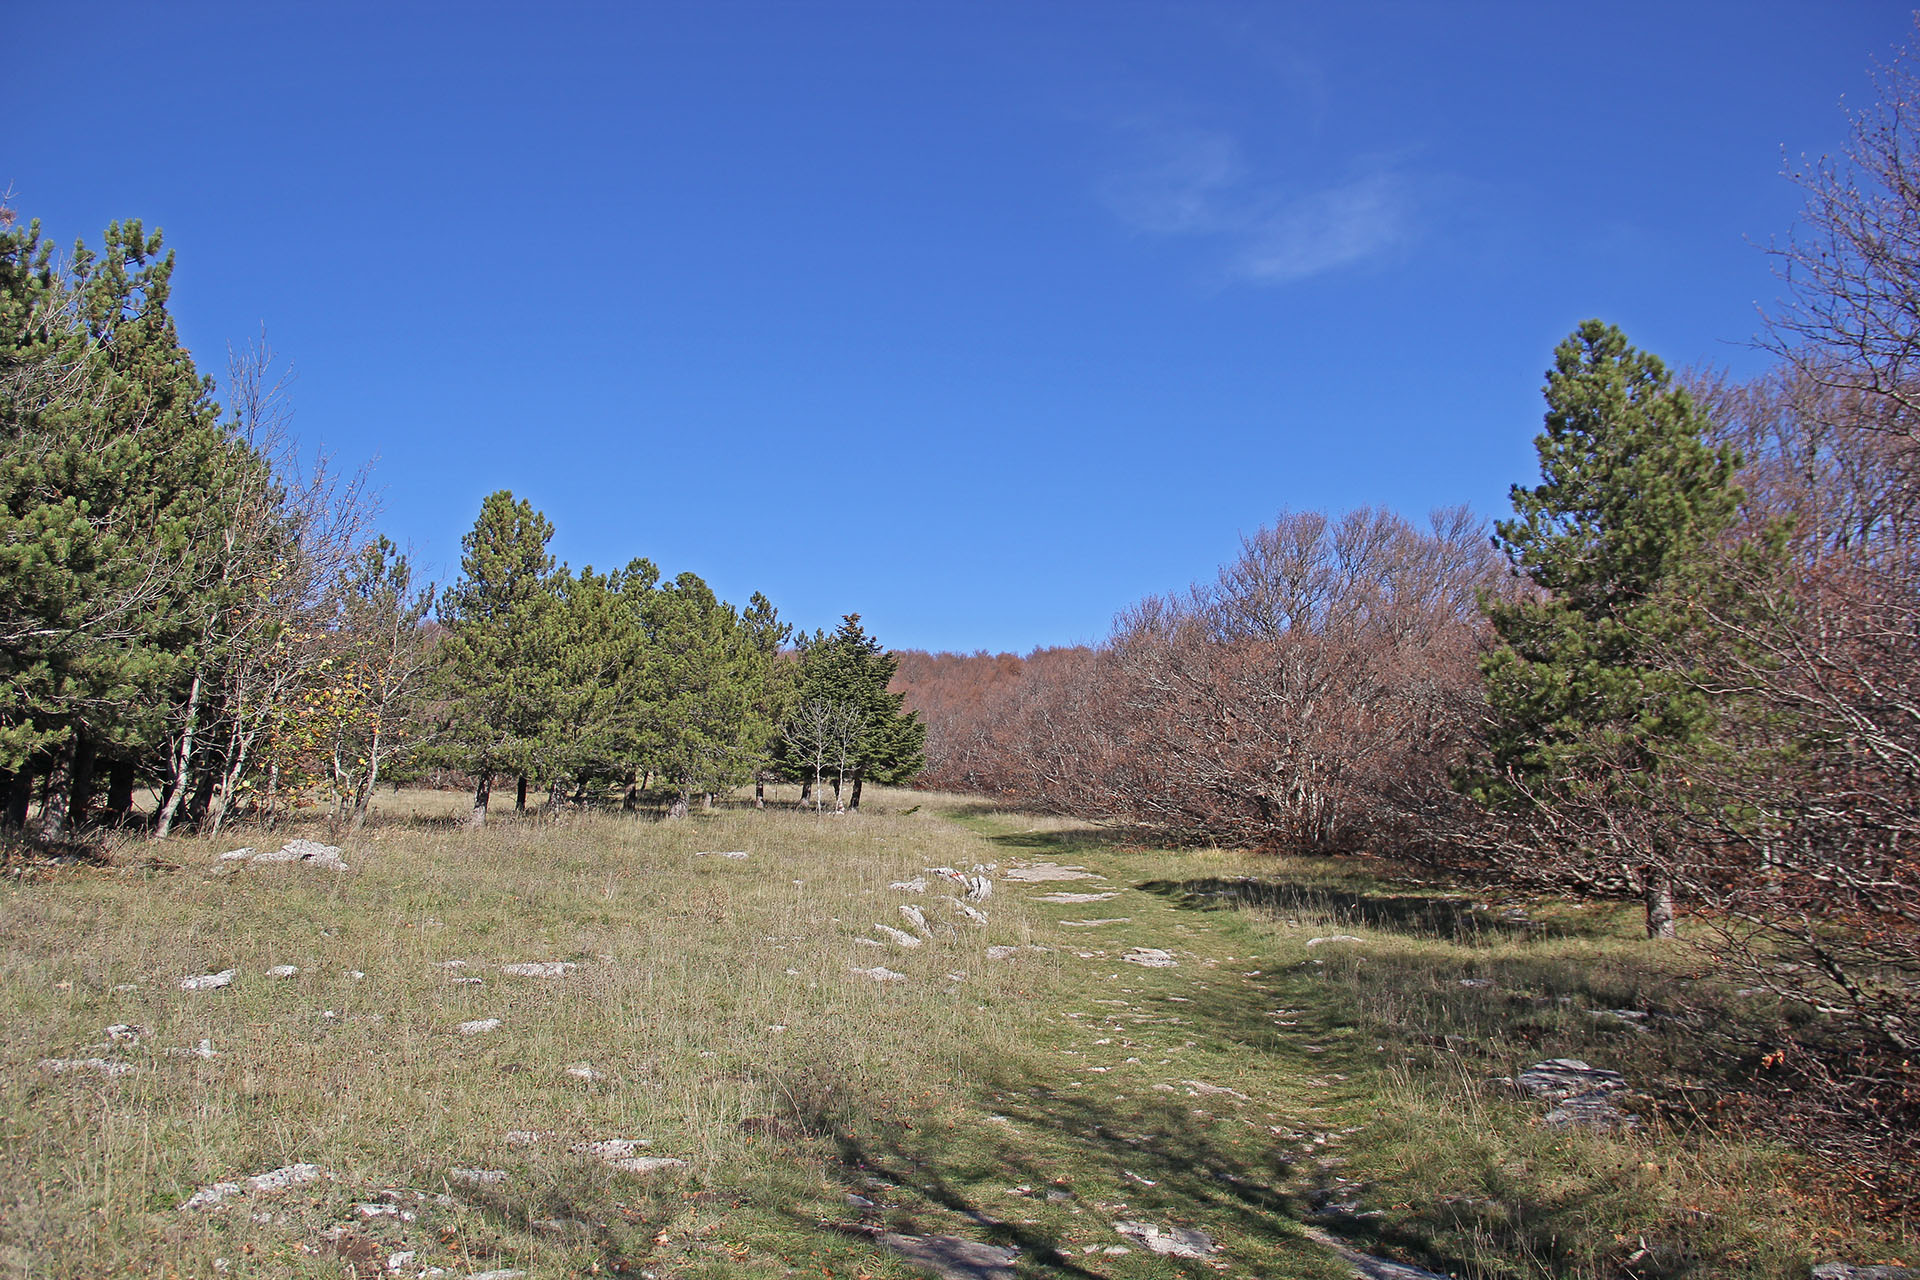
column 1312, row 697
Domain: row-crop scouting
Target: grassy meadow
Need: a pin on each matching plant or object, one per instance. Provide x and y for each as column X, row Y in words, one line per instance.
column 1019, row 1084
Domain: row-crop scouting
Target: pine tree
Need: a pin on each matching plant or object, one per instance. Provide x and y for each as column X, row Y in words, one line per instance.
column 1581, row 707
column 111, row 448
column 841, row 717
column 502, row 618
column 703, row 682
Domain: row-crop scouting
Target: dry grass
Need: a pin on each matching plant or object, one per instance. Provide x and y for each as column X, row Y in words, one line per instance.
column 1031, row 1100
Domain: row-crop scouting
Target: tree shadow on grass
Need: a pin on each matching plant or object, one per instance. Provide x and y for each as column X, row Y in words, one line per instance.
column 1455, row 920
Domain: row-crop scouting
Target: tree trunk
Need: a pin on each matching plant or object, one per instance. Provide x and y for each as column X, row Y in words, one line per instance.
column 632, row 802
column 682, row 801
column 482, row 788
column 183, row 763
column 806, row 788
column 520, row 794
column 120, row 777
column 706, row 804
column 202, row 798
column 759, row 792
column 853, row 803
column 1656, row 888
column 59, row 791
column 80, row 793
column 19, row 797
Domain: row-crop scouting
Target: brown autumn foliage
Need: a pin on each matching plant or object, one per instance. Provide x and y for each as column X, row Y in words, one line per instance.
column 1312, row 697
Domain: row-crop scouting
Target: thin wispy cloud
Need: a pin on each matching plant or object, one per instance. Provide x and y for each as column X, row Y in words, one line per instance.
column 1197, row 184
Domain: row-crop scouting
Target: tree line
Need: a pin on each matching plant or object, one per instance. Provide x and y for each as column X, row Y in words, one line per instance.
column 1684, row 671
column 190, row 608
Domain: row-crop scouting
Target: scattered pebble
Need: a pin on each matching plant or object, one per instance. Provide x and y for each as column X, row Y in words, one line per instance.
column 207, row 981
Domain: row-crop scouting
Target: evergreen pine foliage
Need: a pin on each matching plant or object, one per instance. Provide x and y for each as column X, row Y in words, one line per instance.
column 1583, row 706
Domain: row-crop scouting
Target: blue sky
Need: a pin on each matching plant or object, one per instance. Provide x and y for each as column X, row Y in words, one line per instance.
column 981, row 319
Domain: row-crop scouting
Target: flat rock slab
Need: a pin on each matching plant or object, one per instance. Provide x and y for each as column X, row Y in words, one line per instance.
column 1558, row 1078
column 1171, row 1242
column 1847, row 1271
column 900, row 936
column 1151, row 957
column 90, row 1066
column 207, row 981
column 540, row 968
column 916, row 885
column 1075, row 898
column 1368, row 1267
column 729, row 853
column 283, row 971
column 309, row 851
column 952, row 1258
column 280, row 1179
column 880, row 973
column 478, row 1177
column 1094, row 924
column 1040, row 871
column 479, row 1026
column 1336, row 937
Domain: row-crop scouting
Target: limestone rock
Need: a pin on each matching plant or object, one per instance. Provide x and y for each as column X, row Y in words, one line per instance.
column 1335, row 937
column 900, row 936
column 1039, row 871
column 207, row 981
column 952, row 1258
column 1151, row 957
column 880, row 973
column 540, row 968
column 1171, row 1242
column 479, row 1026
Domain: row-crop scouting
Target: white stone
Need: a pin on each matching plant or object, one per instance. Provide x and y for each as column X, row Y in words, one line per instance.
column 1151, row 957
column 479, row 1026
column 899, row 936
column 479, row 1177
column 1039, row 871
column 540, row 969
column 1336, row 937
column 880, row 973
column 916, row 885
column 915, row 917
column 125, row 1032
column 1001, row 953
column 585, row 1071
column 1172, row 1242
column 1094, row 924
column 97, row 1066
column 207, row 981
column 1075, row 898
column 283, row 971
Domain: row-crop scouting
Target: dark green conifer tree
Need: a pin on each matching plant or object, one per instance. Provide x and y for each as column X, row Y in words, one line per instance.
column 503, row 621
column 1583, row 706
